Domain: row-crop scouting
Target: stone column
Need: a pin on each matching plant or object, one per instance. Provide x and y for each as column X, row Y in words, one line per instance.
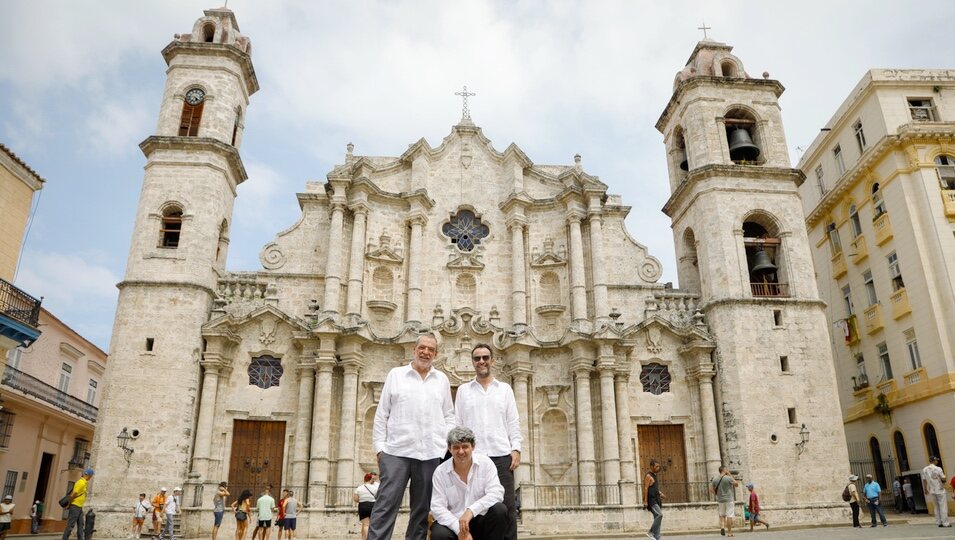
column 303, row 419
column 414, row 268
column 586, row 465
column 321, row 424
column 518, row 279
column 333, row 267
column 628, row 473
column 356, row 263
column 601, row 302
column 711, row 439
column 608, row 416
column 578, row 287
column 207, row 414
column 352, row 364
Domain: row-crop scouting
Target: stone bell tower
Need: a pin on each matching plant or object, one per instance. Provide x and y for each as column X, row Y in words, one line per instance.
column 741, row 243
column 178, row 250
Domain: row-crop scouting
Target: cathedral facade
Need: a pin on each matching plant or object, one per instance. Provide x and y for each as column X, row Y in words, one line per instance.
column 272, row 376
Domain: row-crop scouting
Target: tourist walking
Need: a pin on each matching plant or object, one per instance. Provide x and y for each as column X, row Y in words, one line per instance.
column 413, row 418
column 724, row 487
column 752, row 508
column 933, row 484
column 653, row 499
column 365, row 495
column 280, row 518
column 264, row 508
column 291, row 515
column 140, row 511
column 172, row 511
column 159, row 505
column 6, row 515
column 854, row 500
column 897, row 495
column 242, row 508
column 873, row 491
column 468, row 496
column 77, row 498
column 218, row 507
column 36, row 516
column 487, row 405
column 909, row 496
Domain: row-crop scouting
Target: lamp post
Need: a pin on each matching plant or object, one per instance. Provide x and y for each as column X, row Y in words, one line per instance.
column 803, row 439
column 122, row 441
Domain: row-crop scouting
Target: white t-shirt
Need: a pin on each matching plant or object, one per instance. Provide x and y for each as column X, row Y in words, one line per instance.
column 934, row 477
column 142, row 508
column 6, row 507
column 907, row 489
column 367, row 492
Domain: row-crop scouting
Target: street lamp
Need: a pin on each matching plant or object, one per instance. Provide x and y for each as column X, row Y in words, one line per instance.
column 803, row 438
column 122, row 441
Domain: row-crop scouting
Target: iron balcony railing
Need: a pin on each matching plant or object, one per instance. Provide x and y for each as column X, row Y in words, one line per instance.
column 18, row 305
column 31, row 386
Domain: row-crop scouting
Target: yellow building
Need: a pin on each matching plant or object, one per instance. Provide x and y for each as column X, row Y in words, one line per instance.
column 879, row 201
column 18, row 310
column 51, row 391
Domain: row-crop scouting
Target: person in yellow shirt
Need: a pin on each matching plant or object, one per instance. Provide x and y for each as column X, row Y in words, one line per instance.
column 77, row 500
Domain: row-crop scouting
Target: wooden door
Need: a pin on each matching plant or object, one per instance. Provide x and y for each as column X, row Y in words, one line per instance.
column 257, row 452
column 665, row 444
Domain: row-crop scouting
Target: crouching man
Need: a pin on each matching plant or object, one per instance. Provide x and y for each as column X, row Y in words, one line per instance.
column 466, row 501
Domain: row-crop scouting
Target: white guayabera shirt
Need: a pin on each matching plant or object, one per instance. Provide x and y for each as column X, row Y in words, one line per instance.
column 414, row 415
column 491, row 415
column 450, row 497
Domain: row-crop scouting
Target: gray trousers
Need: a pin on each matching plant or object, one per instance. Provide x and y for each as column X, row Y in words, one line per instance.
column 74, row 519
column 506, row 476
column 657, row 520
column 395, row 472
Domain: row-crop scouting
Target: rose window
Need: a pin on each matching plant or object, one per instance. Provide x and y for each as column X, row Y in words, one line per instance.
column 465, row 230
column 265, row 371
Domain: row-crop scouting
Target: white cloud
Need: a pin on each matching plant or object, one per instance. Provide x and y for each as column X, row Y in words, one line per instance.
column 67, row 280
column 113, row 127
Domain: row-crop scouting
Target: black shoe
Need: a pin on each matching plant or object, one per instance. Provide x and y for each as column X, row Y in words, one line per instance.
column 722, row 532
column 949, row 525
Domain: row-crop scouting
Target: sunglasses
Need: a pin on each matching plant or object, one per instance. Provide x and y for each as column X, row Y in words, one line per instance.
column 484, row 358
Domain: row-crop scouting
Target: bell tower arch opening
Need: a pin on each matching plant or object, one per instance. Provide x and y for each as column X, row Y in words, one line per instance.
column 764, row 256
column 743, row 137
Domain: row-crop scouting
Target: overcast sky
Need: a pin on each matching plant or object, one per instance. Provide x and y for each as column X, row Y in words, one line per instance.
column 81, row 81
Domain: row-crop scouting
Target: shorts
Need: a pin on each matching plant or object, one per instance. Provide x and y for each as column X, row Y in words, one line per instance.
column 138, row 520
column 754, row 517
column 290, row 524
column 364, row 509
column 218, row 518
column 265, row 524
column 4, row 527
column 280, row 523
column 727, row 509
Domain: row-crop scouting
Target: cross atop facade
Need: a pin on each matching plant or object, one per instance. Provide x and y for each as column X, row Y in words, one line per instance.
column 465, row 112
column 704, row 28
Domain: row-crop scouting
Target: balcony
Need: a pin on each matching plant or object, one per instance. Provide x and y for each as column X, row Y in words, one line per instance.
column 915, row 376
column 31, row 386
column 883, row 229
column 838, row 265
column 860, row 251
column 873, row 318
column 769, row 290
column 19, row 313
column 900, row 303
column 948, row 198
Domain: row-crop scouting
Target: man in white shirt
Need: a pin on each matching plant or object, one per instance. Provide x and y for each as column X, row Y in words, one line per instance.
column 413, row 417
column 466, row 503
column 933, row 484
column 172, row 510
column 487, row 406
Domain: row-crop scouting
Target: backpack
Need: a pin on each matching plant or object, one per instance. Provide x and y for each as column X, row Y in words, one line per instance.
column 845, row 494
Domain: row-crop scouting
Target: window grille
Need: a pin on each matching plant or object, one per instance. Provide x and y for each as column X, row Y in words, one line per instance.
column 10, row 483
column 655, row 378
column 265, row 372
column 81, row 454
column 6, row 427
column 465, row 230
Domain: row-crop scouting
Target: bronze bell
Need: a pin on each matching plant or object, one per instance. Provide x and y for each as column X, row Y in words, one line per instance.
column 762, row 266
column 684, row 163
column 741, row 146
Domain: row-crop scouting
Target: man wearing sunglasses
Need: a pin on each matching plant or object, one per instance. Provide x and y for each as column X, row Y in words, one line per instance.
column 487, row 406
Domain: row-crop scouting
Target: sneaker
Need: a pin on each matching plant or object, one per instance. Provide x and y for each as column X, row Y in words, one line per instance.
column 650, row 535
column 722, row 532
column 948, row 525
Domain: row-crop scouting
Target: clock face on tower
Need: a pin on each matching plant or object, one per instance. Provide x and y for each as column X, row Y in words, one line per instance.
column 195, row 96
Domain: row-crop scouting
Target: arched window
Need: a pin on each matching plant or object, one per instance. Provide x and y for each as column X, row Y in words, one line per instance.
column 743, row 137
column 466, row 288
column 945, row 167
column 208, row 32
column 549, row 289
column 465, row 230
column 171, row 228
column 689, row 263
column 931, row 443
column 900, row 451
column 191, row 112
column 877, row 465
column 764, row 257
column 679, row 145
column 223, row 242
column 728, row 67
column 877, row 201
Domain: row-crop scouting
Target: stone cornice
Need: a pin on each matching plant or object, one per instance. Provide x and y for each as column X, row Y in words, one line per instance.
column 20, row 169
column 754, row 172
column 760, row 301
column 161, row 283
column 735, row 83
column 197, row 144
column 232, row 52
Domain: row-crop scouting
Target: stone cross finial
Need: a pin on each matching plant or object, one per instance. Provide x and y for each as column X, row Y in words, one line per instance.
column 465, row 112
column 704, row 28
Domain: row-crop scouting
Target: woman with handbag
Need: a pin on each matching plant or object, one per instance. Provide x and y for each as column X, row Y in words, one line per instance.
column 366, row 495
column 242, row 508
